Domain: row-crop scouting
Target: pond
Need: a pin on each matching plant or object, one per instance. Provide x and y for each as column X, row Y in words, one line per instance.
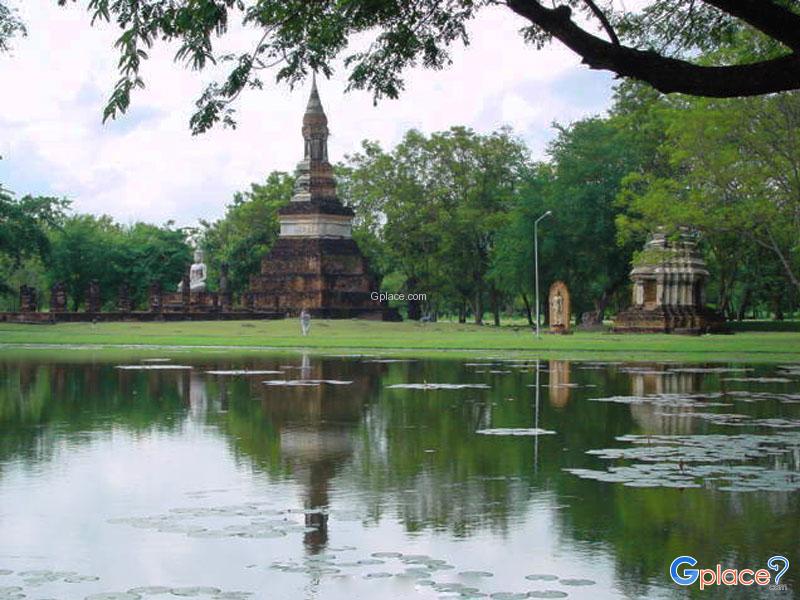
column 341, row 477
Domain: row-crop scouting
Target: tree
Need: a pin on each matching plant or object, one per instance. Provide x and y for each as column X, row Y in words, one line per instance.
column 478, row 179
column 395, row 204
column 81, row 249
column 10, row 26
column 437, row 204
column 23, row 231
column 735, row 176
column 247, row 231
column 658, row 45
column 145, row 254
column 85, row 247
column 365, row 183
column 512, row 264
column 590, row 160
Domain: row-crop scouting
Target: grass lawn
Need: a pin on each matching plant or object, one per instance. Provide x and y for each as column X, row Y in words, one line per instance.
column 428, row 339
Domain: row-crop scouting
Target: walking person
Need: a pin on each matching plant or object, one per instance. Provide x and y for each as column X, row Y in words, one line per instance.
column 305, row 321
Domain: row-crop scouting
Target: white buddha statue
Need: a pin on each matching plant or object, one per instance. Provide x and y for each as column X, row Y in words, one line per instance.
column 197, row 274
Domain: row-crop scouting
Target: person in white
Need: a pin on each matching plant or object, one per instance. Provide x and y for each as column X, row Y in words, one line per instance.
column 305, row 321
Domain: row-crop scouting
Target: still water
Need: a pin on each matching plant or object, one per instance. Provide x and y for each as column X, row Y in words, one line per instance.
column 362, row 477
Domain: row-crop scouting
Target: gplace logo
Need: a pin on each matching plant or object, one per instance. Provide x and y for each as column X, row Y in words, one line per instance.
column 720, row 576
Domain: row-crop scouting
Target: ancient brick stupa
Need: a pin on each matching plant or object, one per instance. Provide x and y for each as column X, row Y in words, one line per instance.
column 669, row 289
column 315, row 264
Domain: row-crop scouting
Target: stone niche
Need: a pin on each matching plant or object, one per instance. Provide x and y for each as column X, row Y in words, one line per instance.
column 669, row 279
column 560, row 310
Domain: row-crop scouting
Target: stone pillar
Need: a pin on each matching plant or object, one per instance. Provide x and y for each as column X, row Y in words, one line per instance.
column 58, row 297
column 124, row 303
column 27, row 299
column 154, row 297
column 93, row 303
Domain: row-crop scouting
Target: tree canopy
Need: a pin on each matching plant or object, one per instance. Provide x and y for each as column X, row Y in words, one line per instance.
column 666, row 43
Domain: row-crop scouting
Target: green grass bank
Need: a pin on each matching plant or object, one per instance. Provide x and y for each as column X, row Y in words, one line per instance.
column 430, row 339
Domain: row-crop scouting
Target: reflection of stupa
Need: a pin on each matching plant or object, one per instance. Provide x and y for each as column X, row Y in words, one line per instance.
column 315, row 263
column 669, row 281
column 663, row 419
column 314, row 427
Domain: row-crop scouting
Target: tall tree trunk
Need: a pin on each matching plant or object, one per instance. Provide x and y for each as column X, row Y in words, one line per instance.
column 477, row 307
column 784, row 261
column 414, row 308
column 528, row 311
column 748, row 293
column 495, row 307
column 601, row 304
column 724, row 299
column 777, row 302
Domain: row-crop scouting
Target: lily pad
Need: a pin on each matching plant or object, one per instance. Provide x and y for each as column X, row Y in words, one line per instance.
column 244, row 372
column 683, row 461
column 515, row 431
column 577, row 582
column 156, row 367
column 195, row 591
column 439, row 386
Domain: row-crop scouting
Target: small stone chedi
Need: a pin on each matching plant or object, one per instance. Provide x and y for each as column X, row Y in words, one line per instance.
column 315, row 264
column 197, row 274
column 669, row 281
column 124, row 301
column 28, row 299
column 93, row 302
column 58, row 297
column 559, row 304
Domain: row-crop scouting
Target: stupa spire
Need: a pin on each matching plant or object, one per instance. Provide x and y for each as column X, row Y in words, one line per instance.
column 314, row 103
column 315, row 126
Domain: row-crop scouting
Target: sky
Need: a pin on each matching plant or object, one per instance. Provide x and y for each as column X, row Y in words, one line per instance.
column 146, row 165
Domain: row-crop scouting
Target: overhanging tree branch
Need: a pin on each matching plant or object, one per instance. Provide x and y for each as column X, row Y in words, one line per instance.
column 612, row 35
column 664, row 73
column 773, row 19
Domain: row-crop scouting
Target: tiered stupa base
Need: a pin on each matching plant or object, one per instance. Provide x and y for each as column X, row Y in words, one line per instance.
column 327, row 277
column 667, row 319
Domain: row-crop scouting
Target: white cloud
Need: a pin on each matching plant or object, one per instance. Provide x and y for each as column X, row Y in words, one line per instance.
column 147, row 165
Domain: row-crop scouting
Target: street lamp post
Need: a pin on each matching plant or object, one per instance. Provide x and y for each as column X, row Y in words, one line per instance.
column 536, row 263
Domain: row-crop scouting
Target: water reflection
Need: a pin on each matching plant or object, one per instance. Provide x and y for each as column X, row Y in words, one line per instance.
column 653, row 379
column 559, row 384
column 365, row 457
